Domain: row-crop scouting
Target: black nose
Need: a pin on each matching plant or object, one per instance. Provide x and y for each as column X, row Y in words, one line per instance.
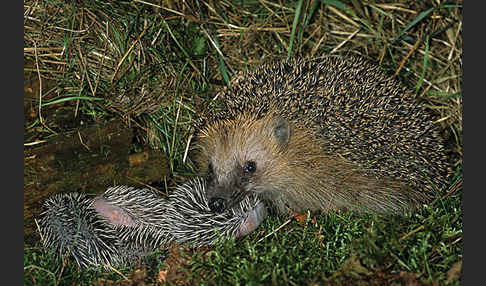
column 217, row 205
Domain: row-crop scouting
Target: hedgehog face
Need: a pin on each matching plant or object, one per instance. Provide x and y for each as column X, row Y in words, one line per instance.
column 237, row 158
column 228, row 189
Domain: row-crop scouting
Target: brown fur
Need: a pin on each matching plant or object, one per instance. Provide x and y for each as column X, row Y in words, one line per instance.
column 358, row 139
column 300, row 174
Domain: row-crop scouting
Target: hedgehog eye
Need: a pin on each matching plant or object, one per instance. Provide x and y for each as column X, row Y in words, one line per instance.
column 249, row 167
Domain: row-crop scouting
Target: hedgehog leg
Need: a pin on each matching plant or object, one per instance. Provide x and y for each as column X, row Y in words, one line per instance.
column 112, row 213
column 253, row 220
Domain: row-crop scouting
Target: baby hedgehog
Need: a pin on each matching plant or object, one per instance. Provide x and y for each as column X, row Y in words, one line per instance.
column 320, row 134
column 125, row 224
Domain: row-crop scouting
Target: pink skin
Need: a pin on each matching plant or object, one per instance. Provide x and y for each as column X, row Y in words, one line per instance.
column 113, row 214
column 253, row 220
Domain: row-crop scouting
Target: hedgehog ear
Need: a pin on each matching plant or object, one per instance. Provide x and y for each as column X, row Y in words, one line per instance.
column 280, row 129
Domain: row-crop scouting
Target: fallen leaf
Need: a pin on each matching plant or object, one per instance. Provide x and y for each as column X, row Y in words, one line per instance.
column 300, row 217
column 162, row 277
column 410, row 279
column 455, row 272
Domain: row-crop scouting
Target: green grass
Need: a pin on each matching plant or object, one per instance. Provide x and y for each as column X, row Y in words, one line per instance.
column 156, row 66
column 313, row 251
column 427, row 243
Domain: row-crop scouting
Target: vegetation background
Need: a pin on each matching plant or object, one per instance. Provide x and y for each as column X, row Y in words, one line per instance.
column 154, row 64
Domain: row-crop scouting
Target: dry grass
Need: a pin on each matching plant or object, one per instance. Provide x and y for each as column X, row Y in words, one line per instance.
column 154, row 64
column 143, row 54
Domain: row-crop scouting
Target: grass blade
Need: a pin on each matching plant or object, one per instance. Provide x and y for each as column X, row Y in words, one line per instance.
column 294, row 27
column 72, row 98
column 338, row 4
column 424, row 68
column 420, row 17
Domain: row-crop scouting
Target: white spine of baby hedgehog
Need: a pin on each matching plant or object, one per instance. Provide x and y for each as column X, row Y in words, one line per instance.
column 70, row 225
column 138, row 216
column 125, row 224
column 192, row 221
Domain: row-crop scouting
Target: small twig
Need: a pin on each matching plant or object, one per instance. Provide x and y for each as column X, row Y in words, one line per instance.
column 82, row 143
column 316, row 47
column 277, row 229
column 63, row 265
column 28, row 50
column 174, row 132
column 71, row 30
column 404, row 60
column 345, row 41
column 38, row 229
column 156, row 37
column 454, row 188
column 161, row 7
column 79, row 93
column 40, row 81
column 35, row 143
column 43, row 70
column 340, row 14
column 454, row 242
column 392, row 7
column 187, row 149
column 98, row 74
column 454, row 42
column 412, row 232
column 41, row 120
column 215, row 46
column 127, row 53
column 116, row 270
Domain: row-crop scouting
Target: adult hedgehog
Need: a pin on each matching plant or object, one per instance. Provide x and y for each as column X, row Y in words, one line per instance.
column 321, row 134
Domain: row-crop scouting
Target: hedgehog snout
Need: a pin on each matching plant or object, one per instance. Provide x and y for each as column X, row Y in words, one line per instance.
column 217, row 197
column 217, row 205
column 226, row 193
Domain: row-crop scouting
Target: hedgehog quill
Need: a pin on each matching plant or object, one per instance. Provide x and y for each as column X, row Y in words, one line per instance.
column 125, row 224
column 321, row 134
